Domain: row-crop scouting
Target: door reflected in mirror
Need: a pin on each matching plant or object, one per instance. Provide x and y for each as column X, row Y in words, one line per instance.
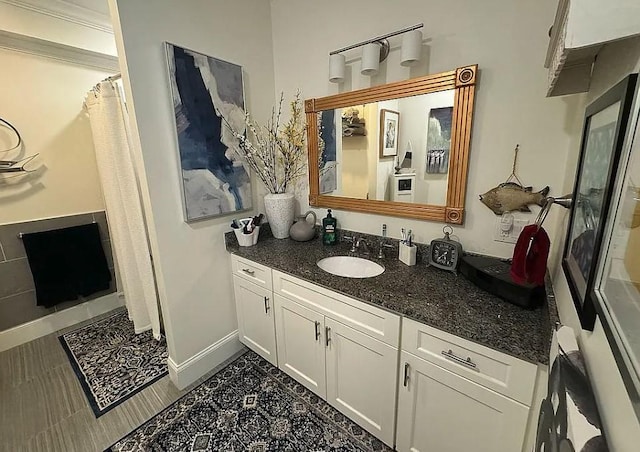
column 393, row 150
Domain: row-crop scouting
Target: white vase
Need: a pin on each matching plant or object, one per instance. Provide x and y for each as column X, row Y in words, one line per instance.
column 279, row 208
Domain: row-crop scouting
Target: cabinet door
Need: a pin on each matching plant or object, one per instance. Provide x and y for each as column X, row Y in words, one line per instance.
column 361, row 379
column 441, row 411
column 256, row 326
column 300, row 337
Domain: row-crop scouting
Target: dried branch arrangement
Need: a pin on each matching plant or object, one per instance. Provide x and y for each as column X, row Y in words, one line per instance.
column 276, row 154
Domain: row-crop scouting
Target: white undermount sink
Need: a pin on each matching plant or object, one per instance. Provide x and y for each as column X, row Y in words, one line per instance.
column 350, row 267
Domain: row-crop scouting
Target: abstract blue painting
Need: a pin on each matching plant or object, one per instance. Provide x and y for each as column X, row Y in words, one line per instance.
column 214, row 178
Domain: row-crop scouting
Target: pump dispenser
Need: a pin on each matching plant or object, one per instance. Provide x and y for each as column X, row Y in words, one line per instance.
column 329, row 226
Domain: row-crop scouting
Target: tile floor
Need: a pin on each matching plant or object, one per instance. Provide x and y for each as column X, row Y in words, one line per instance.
column 43, row 407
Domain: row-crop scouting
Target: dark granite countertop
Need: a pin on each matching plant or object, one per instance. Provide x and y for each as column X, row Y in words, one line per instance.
column 431, row 296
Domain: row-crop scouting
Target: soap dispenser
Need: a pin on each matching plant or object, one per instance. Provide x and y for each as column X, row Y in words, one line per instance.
column 329, row 226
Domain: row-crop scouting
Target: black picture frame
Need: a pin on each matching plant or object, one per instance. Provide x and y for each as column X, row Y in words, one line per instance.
column 590, row 208
column 615, row 334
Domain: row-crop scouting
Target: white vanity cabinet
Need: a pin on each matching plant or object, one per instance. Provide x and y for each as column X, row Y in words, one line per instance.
column 439, row 410
column 455, row 395
column 254, row 307
column 301, row 342
column 412, row 386
column 343, row 350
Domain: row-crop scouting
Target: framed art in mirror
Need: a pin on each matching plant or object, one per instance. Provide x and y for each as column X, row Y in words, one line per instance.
column 603, row 136
column 389, row 126
column 357, row 171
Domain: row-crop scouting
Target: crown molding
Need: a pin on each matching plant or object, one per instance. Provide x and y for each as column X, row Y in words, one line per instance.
column 67, row 11
column 57, row 51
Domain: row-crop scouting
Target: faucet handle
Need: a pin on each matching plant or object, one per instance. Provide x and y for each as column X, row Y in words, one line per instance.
column 352, row 239
column 382, row 247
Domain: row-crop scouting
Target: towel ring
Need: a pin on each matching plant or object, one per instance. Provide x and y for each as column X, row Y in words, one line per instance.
column 544, row 211
column 10, row 126
column 566, row 201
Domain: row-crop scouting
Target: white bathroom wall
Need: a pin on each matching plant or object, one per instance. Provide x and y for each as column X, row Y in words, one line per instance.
column 43, row 98
column 194, row 280
column 507, row 39
column 615, row 61
column 44, row 83
column 45, row 104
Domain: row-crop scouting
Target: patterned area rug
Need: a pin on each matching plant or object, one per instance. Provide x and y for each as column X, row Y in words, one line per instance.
column 112, row 362
column 249, row 406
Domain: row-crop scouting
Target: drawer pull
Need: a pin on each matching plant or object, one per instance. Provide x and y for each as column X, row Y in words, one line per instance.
column 249, row 272
column 405, row 381
column 327, row 337
column 455, row 358
column 266, row 305
column 317, row 330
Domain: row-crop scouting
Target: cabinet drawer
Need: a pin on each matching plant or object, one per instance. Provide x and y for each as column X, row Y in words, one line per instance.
column 502, row 373
column 251, row 271
column 377, row 323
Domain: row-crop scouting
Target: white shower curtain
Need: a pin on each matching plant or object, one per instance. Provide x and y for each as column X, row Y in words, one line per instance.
column 112, row 141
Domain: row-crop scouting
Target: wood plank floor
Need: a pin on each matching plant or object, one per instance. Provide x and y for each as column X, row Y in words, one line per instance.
column 43, row 407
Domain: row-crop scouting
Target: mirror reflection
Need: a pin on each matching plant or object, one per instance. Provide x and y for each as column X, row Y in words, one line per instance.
column 394, row 150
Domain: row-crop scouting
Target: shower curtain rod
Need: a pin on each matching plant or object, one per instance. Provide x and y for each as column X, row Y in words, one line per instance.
column 113, row 78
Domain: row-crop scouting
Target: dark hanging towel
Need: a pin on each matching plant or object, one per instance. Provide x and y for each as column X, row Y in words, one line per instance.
column 66, row 263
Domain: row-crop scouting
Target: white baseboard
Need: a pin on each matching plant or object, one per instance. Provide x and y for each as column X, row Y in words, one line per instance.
column 53, row 322
column 187, row 372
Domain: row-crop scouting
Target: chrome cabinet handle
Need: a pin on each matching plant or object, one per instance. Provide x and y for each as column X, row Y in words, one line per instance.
column 266, row 305
column 457, row 359
column 317, row 330
column 249, row 272
column 405, row 381
column 327, row 337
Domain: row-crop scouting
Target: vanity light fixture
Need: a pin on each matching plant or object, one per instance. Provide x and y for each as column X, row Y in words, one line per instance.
column 375, row 51
column 411, row 48
column 336, row 68
column 371, row 57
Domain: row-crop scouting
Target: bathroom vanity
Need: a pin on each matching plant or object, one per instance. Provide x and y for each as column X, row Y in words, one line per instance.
column 420, row 358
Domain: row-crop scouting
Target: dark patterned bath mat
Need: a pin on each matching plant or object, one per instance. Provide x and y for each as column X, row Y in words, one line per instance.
column 112, row 362
column 249, row 406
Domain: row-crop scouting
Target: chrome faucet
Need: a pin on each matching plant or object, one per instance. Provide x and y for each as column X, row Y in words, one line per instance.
column 362, row 244
column 357, row 243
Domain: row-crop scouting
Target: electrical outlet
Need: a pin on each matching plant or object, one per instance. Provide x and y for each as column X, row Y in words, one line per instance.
column 511, row 235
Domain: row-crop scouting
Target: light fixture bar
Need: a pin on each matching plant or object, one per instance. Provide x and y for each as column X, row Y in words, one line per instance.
column 379, row 38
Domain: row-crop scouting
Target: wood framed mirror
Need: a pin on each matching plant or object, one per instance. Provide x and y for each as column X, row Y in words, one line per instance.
column 400, row 149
